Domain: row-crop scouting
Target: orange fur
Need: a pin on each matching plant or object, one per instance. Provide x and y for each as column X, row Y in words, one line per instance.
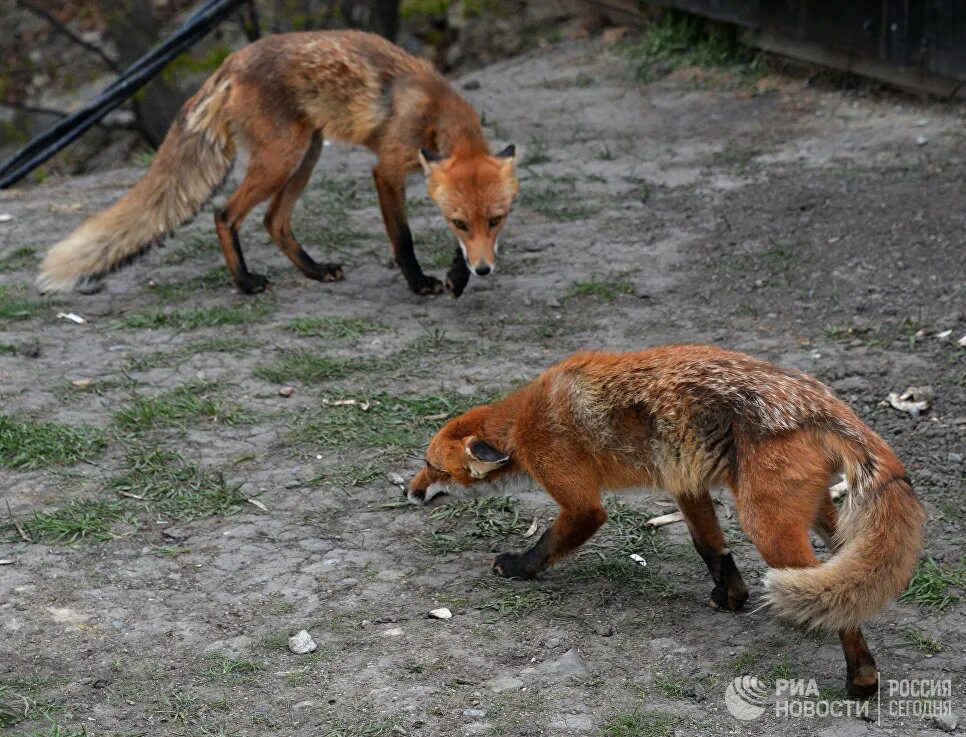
column 278, row 99
column 690, row 417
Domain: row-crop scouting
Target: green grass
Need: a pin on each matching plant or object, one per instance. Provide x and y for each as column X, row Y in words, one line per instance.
column 215, row 279
column 555, row 203
column 744, row 662
column 919, row 640
column 394, row 424
column 55, row 730
column 17, row 259
column 6, row 349
column 640, row 723
column 933, row 585
column 231, row 669
column 192, row 403
column 176, row 488
column 348, row 475
column 22, row 700
column 76, row 520
column 192, row 318
column 537, row 152
column 16, row 305
column 309, row 367
column 606, row 290
column 671, row 685
column 679, row 40
column 26, row 444
column 488, row 517
column 333, row 326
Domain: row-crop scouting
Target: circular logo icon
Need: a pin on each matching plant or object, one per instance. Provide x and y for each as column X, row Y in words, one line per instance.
column 745, row 698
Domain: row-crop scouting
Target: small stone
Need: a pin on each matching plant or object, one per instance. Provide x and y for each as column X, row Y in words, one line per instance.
column 474, row 713
column 286, row 391
column 394, row 632
column 502, row 684
column 174, row 533
column 304, row 704
column 921, row 140
column 946, row 722
column 569, row 665
column 956, row 457
column 301, row 643
column 441, row 613
column 395, row 478
column 82, row 383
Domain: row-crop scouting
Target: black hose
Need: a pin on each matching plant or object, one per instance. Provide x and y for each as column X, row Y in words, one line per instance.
column 48, row 143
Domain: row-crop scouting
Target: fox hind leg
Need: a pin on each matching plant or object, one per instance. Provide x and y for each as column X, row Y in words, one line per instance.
column 776, row 513
column 278, row 218
column 730, row 591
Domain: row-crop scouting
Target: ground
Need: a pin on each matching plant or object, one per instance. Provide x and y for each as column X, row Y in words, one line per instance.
column 181, row 519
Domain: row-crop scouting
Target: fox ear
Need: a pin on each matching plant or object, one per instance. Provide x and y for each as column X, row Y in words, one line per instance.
column 429, row 160
column 483, row 457
column 510, row 152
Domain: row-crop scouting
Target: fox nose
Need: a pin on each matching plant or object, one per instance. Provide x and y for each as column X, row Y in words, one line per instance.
column 483, row 270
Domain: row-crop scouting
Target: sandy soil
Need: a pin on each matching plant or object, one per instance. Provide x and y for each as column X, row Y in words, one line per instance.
column 805, row 226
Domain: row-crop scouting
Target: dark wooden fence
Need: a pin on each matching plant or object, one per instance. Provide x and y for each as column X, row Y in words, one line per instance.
column 917, row 44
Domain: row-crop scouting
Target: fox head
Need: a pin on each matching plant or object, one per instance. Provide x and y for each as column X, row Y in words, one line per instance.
column 474, row 194
column 458, row 456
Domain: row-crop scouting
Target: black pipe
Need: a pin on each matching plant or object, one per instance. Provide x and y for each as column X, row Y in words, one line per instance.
column 48, row 143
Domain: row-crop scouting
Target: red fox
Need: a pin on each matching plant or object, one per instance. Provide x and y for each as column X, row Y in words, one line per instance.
column 686, row 418
column 278, row 99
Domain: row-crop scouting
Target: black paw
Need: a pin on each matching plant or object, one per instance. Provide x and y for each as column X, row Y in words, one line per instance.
column 456, row 281
column 428, row 285
column 511, row 565
column 864, row 684
column 731, row 600
column 327, row 273
column 253, row 284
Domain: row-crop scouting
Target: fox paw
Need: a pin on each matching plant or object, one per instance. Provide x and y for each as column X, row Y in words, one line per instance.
column 864, row 684
column 731, row 600
column 428, row 285
column 456, row 281
column 328, row 273
column 253, row 284
column 511, row 565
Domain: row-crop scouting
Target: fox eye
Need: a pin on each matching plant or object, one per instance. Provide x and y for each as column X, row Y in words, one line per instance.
column 494, row 221
column 460, row 225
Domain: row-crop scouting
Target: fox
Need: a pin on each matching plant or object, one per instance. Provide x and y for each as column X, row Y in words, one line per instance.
column 688, row 418
column 278, row 100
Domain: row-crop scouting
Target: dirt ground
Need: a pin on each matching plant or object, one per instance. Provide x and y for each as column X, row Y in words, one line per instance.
column 819, row 228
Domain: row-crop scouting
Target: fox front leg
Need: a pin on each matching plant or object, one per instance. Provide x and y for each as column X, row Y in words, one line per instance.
column 569, row 531
column 458, row 275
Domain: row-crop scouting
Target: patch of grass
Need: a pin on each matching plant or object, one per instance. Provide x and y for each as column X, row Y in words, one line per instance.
column 6, row 349
column 176, row 488
column 275, row 641
column 17, row 259
column 16, row 305
column 555, row 203
column 56, row 730
column 232, row 669
column 671, row 685
column 394, row 424
column 921, row 641
column 333, row 326
column 516, row 601
column 178, row 706
column 932, row 585
column 779, row 670
column 348, row 475
column 744, row 662
column 26, row 444
column 640, row 723
column 192, row 318
column 218, row 278
column 22, row 700
column 537, row 152
column 76, row 520
column 489, row 517
column 621, row 571
column 378, row 728
column 606, row 290
column 680, row 40
column 189, row 403
column 444, row 543
column 309, row 368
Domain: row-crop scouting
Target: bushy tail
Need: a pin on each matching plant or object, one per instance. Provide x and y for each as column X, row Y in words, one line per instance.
column 190, row 164
column 877, row 540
